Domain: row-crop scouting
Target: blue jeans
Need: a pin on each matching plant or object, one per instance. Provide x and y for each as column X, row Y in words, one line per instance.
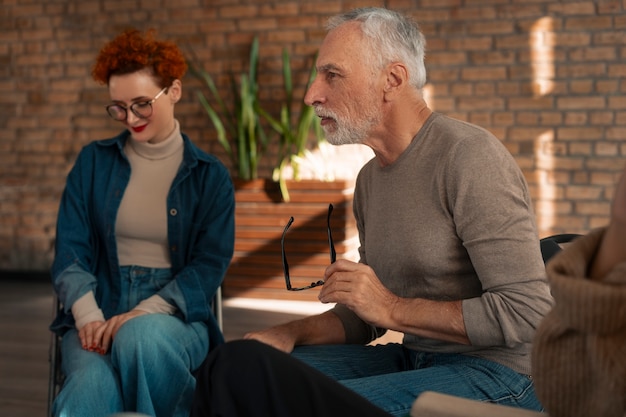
column 392, row 376
column 148, row 368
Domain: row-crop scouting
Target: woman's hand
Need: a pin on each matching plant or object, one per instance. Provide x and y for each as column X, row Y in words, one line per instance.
column 104, row 333
column 87, row 336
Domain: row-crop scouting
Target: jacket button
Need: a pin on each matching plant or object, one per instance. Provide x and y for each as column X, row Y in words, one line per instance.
column 173, row 212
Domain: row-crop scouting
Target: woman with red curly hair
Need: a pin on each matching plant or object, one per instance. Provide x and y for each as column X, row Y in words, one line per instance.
column 145, row 233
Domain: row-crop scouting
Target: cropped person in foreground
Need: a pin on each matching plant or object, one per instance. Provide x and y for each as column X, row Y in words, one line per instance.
column 145, row 233
column 579, row 356
column 449, row 252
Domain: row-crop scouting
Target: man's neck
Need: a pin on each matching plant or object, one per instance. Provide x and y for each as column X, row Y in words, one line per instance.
column 397, row 134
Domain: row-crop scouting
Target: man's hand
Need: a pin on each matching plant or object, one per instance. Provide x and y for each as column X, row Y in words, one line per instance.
column 357, row 287
column 279, row 337
column 319, row 329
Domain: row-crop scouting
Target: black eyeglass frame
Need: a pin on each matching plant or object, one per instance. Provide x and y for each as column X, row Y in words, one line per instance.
column 331, row 244
column 133, row 108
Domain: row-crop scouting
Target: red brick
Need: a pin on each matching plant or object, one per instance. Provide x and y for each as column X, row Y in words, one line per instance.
column 617, row 102
column 572, row 8
column 492, row 73
column 500, row 27
column 617, row 133
column 238, row 11
column 617, row 70
column 588, row 23
column 285, row 9
column 573, row 39
column 578, row 148
column 592, row 208
column 574, row 103
column 445, row 58
column 474, row 43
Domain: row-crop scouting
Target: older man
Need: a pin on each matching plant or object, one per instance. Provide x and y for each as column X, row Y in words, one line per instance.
column 449, row 252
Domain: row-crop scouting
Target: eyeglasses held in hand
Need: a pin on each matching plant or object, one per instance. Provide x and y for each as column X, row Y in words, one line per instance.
column 141, row 109
column 333, row 254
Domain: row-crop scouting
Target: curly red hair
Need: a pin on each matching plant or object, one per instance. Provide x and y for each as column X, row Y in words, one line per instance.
column 131, row 51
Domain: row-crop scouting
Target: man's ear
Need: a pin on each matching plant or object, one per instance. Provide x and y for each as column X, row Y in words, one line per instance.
column 397, row 78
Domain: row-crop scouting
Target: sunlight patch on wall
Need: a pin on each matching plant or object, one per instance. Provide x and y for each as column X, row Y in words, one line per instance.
column 541, row 46
column 542, row 56
column 329, row 162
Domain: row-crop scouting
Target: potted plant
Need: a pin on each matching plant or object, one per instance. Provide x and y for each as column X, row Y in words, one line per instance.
column 239, row 129
column 294, row 133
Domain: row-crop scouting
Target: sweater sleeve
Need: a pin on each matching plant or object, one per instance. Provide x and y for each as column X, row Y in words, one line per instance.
column 493, row 215
column 85, row 310
column 156, row 305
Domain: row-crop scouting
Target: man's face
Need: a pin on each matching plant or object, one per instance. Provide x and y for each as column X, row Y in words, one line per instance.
column 346, row 93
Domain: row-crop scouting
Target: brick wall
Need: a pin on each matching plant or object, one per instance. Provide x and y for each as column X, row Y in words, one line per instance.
column 547, row 77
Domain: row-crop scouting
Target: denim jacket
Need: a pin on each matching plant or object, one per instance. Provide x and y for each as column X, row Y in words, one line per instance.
column 201, row 207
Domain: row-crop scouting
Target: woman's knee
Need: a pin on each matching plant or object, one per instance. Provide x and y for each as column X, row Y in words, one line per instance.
column 139, row 337
column 156, row 338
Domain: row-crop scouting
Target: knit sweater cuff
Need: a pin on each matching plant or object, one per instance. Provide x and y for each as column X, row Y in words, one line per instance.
column 85, row 310
column 155, row 305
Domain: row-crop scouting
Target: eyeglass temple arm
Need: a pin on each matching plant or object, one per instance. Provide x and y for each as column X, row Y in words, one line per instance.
column 282, row 244
column 333, row 254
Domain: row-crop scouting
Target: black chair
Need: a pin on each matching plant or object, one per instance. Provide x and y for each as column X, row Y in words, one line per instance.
column 551, row 245
column 56, row 376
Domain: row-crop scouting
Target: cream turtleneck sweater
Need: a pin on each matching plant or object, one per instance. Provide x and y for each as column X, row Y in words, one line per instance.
column 141, row 225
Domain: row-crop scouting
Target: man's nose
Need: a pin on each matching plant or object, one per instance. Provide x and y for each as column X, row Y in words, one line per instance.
column 313, row 94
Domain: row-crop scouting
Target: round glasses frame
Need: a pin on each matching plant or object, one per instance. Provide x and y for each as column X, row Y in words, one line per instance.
column 141, row 109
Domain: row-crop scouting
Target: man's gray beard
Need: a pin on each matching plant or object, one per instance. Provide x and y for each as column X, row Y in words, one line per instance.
column 343, row 136
column 347, row 135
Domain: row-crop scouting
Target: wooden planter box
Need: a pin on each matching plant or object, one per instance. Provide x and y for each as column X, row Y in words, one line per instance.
column 256, row 270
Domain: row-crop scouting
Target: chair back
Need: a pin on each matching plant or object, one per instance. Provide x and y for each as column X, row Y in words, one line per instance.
column 551, row 245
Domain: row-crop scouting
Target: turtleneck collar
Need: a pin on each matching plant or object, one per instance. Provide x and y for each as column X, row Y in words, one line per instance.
column 161, row 150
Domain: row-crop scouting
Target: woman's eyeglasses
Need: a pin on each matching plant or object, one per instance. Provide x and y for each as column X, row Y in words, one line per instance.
column 141, row 109
column 333, row 254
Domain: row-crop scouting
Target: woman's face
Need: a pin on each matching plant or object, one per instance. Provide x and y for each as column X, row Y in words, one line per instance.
column 140, row 87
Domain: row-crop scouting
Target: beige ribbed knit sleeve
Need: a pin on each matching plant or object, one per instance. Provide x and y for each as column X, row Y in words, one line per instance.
column 579, row 352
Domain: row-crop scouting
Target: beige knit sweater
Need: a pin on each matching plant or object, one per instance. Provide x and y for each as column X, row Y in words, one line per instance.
column 579, row 353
